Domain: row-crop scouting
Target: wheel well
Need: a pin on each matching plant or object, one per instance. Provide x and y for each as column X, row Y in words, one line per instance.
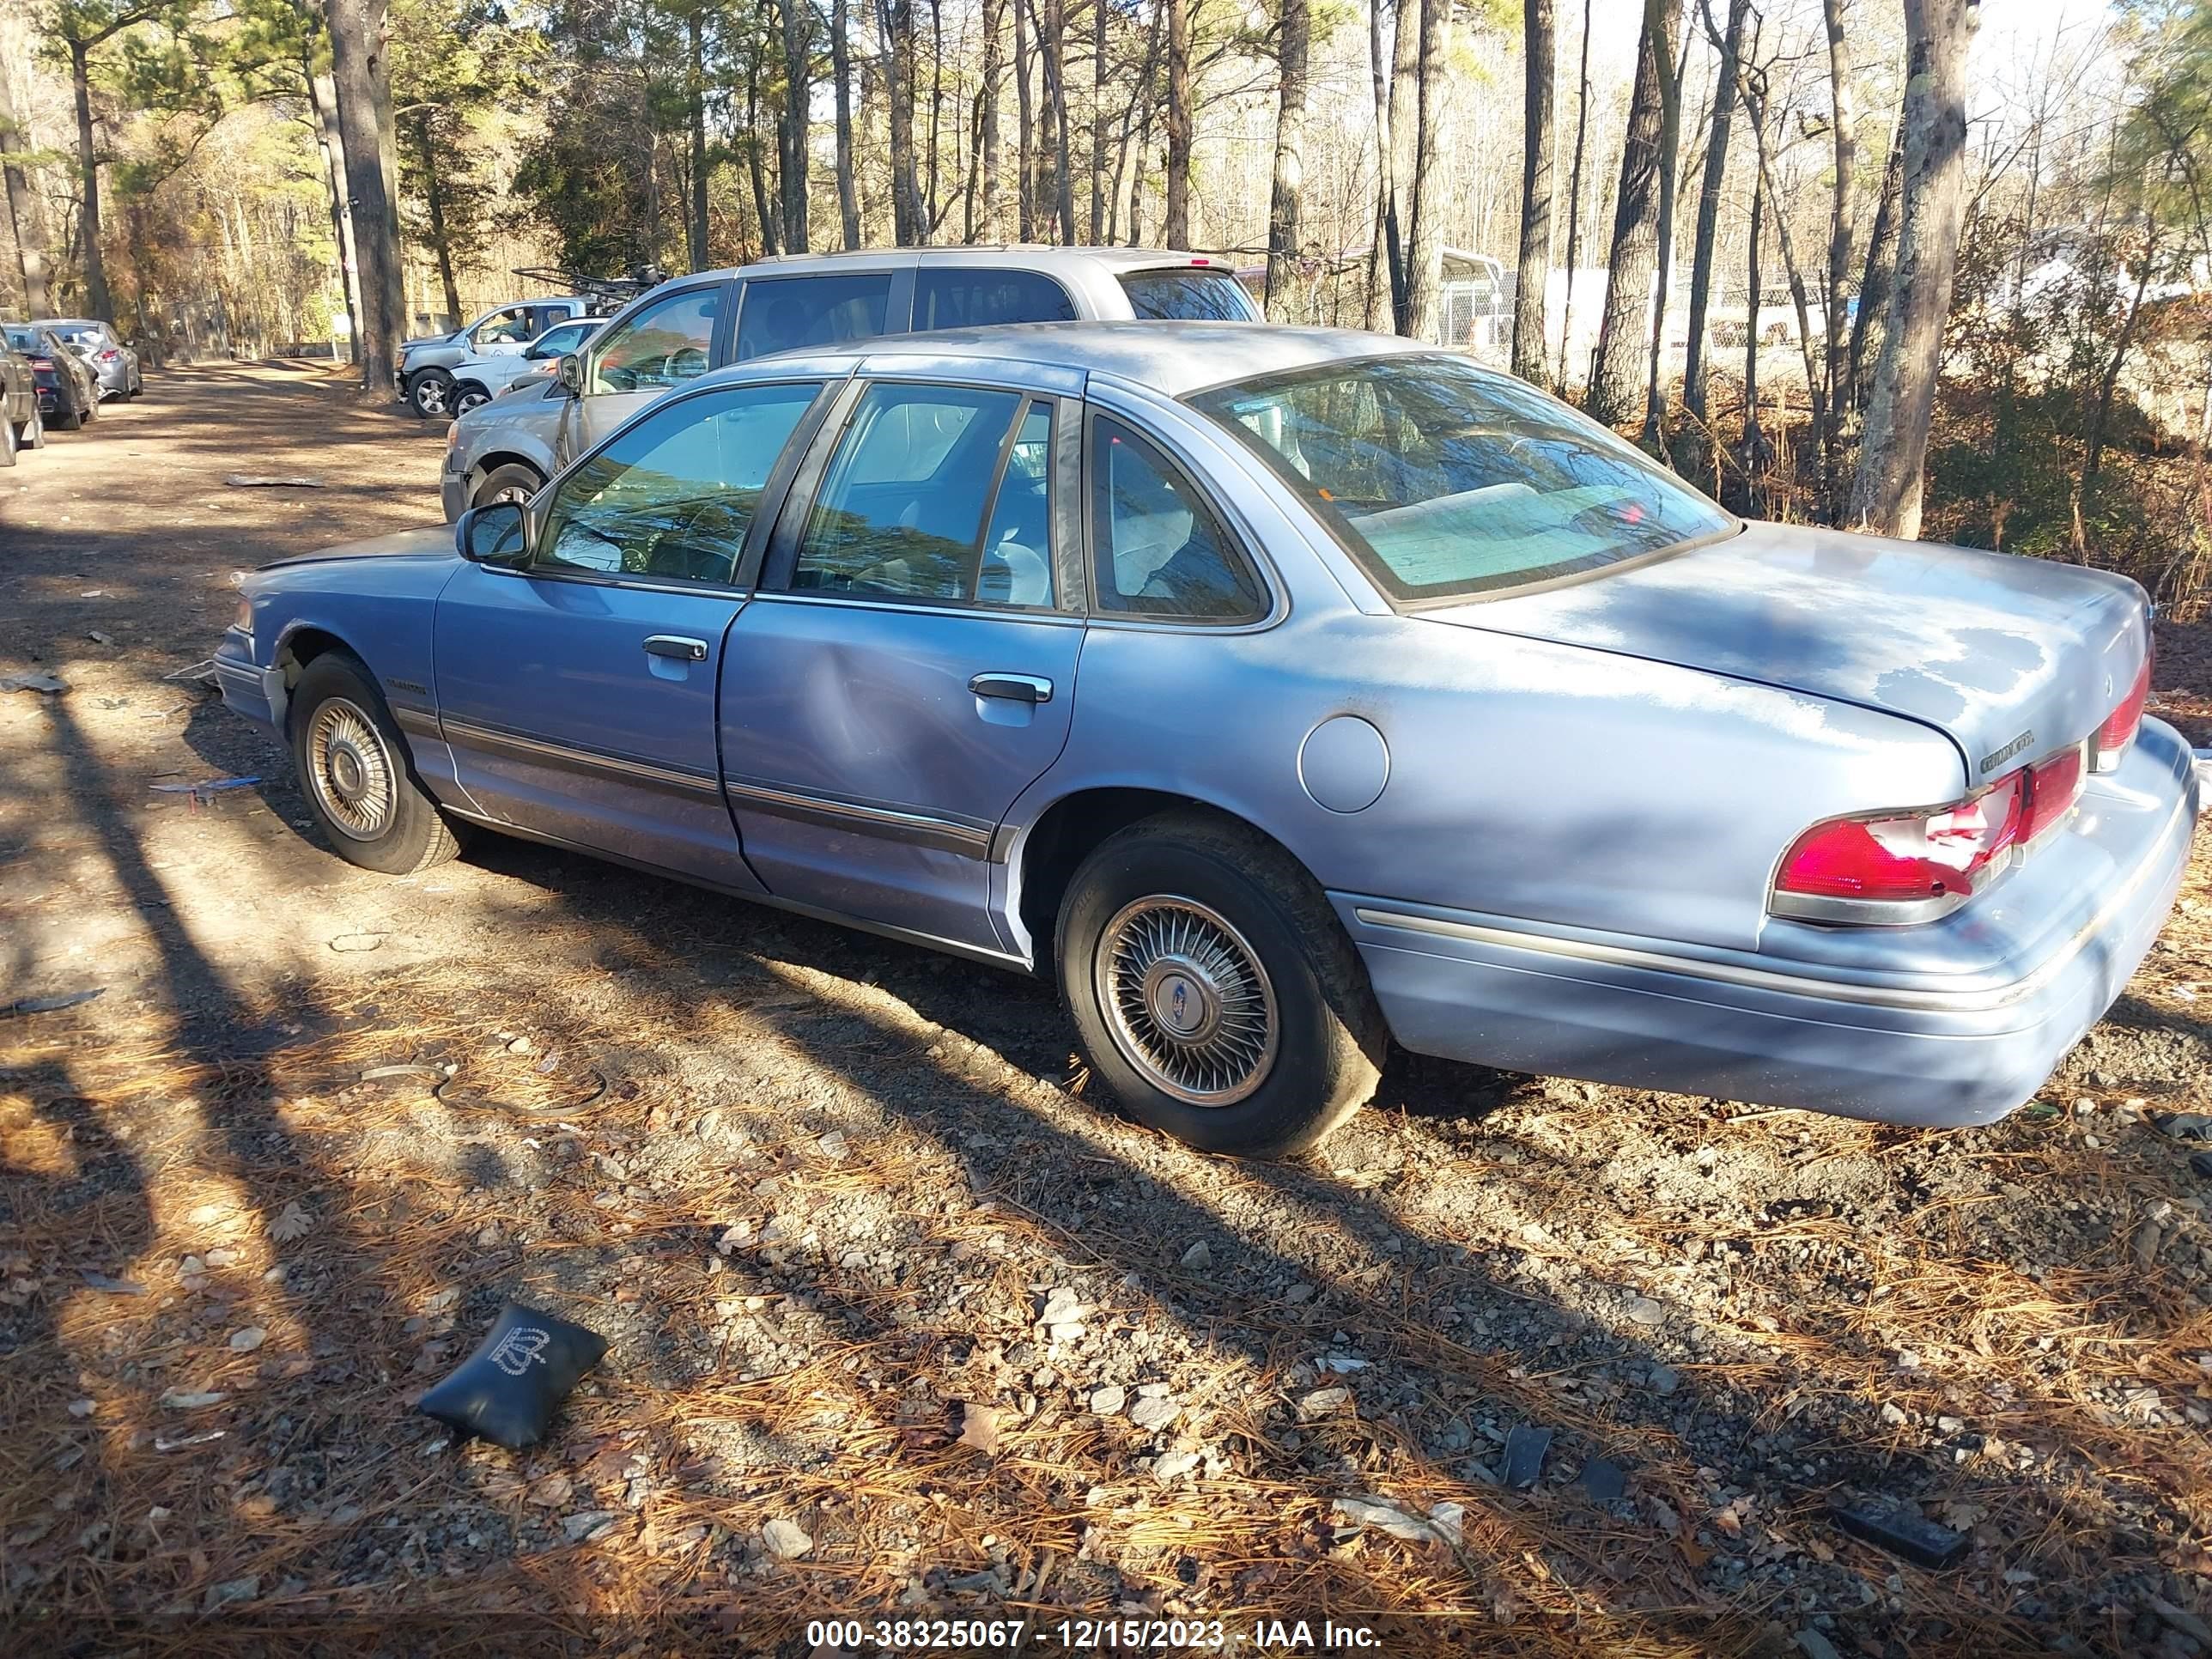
column 1069, row 829
column 301, row 647
column 486, row 464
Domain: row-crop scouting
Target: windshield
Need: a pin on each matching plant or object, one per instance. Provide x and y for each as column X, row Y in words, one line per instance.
column 1205, row 296
column 1445, row 479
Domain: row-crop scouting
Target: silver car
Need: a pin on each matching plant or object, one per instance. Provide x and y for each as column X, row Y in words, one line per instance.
column 1281, row 693
column 688, row 324
column 113, row 362
column 481, row 376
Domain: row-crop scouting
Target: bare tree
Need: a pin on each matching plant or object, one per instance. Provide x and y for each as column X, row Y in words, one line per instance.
column 323, row 102
column 841, row 71
column 1396, row 231
column 1729, row 45
column 1175, row 231
column 1052, row 43
column 1425, row 236
column 1024, row 128
column 1290, row 170
column 22, row 211
column 1533, row 268
column 1618, row 375
column 1102, row 176
column 792, row 123
column 694, row 98
column 1886, row 493
column 1670, row 147
column 1378, row 297
column 1842, row 228
column 82, row 27
column 910, row 219
column 363, row 78
column 1575, row 202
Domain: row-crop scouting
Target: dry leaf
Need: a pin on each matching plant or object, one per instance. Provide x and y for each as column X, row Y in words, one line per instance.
column 979, row 1428
column 293, row 1223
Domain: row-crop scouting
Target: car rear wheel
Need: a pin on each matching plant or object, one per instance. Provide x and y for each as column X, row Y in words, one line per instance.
column 430, row 394
column 1212, row 989
column 512, row 482
column 359, row 780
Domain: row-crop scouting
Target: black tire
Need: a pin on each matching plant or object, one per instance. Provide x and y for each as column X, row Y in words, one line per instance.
column 365, row 794
column 467, row 395
column 32, row 433
column 1197, row 870
column 68, row 417
column 137, row 389
column 501, row 484
column 430, row 394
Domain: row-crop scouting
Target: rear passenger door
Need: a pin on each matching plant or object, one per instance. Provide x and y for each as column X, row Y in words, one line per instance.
column 821, row 308
column 908, row 666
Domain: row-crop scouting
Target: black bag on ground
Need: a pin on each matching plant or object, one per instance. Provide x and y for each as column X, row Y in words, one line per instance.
column 509, row 1388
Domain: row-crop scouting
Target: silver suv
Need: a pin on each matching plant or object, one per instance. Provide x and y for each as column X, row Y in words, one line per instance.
column 508, row 448
column 424, row 373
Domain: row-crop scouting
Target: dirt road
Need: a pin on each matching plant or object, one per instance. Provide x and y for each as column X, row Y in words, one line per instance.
column 904, row 1328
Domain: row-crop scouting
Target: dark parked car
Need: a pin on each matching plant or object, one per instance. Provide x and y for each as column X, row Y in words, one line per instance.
column 113, row 362
column 68, row 394
column 19, row 426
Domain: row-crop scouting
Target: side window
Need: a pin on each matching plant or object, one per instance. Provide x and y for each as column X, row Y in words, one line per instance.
column 675, row 494
column 907, row 509
column 664, row 345
column 508, row 327
column 972, row 297
column 1160, row 550
column 782, row 314
column 1190, row 296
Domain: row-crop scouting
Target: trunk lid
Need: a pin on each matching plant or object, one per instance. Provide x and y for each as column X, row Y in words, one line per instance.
column 2013, row 658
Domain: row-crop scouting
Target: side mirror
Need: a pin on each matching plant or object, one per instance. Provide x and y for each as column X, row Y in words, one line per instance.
column 494, row 534
column 570, row 374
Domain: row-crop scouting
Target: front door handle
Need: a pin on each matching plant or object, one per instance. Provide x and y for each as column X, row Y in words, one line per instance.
column 1014, row 687
column 676, row 645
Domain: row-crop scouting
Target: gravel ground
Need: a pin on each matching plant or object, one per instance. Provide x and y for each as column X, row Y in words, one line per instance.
column 902, row 1325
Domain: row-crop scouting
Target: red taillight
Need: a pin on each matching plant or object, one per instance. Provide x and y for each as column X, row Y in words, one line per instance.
column 110, row 355
column 2118, row 730
column 2053, row 789
column 1908, row 858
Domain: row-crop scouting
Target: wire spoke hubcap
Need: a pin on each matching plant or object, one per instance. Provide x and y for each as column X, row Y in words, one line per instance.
column 349, row 770
column 1186, row 1001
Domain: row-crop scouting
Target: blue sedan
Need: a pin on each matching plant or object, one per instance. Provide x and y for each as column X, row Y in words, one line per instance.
column 1283, row 692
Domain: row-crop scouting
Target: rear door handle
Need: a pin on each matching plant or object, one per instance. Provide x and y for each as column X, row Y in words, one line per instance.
column 677, row 646
column 1014, row 687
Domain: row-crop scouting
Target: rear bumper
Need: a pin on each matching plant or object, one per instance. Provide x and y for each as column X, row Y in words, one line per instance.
column 1917, row 1041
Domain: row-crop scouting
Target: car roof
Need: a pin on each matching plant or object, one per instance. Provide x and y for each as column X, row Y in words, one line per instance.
column 1175, row 357
column 1008, row 256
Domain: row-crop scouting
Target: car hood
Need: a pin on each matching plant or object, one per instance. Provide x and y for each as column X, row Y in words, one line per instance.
column 436, row 543
column 2014, row 658
column 431, row 339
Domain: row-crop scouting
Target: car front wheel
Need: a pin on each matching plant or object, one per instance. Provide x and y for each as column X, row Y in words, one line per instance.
column 1212, row 989
column 430, row 394
column 354, row 769
column 512, row 482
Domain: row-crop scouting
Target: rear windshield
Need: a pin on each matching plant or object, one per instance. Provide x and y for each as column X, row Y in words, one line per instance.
column 1205, row 296
column 1445, row 479
column 23, row 339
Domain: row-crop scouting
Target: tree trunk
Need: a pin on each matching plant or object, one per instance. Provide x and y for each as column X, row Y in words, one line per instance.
column 323, row 99
column 991, row 221
column 1404, row 158
column 792, row 123
column 23, row 212
column 1616, row 377
column 1886, row 493
column 1870, row 320
column 1175, row 229
column 769, row 221
column 1729, row 45
column 1025, row 158
column 1670, row 149
column 695, row 29
column 1534, row 269
column 1101, row 182
column 1425, row 238
column 97, row 300
column 433, row 195
column 1753, row 450
column 908, row 220
column 1290, row 166
column 2093, row 460
column 841, row 68
column 362, row 78
column 1575, row 204
column 1053, row 43
column 1378, row 299
column 1843, row 226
